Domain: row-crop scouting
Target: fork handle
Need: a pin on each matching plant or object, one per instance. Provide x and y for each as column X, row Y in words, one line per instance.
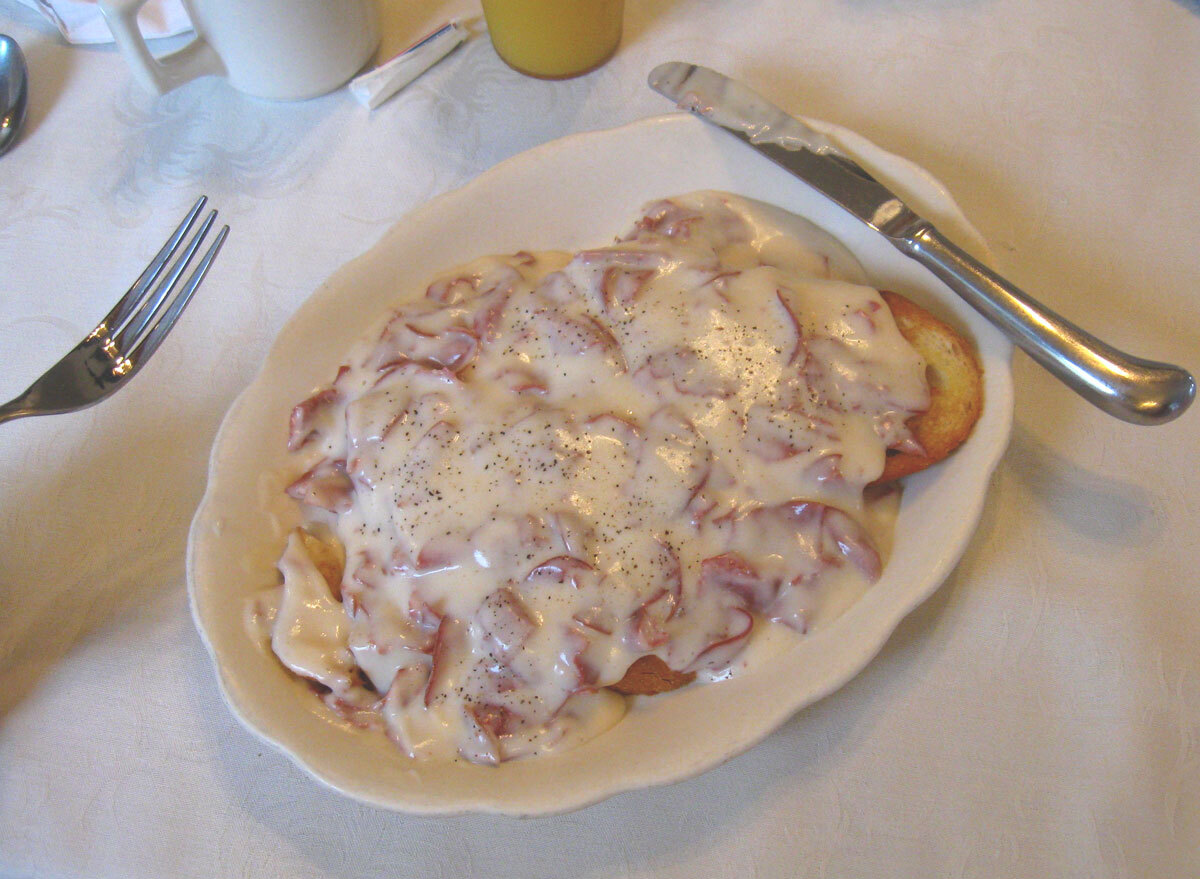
column 15, row 409
column 1130, row 388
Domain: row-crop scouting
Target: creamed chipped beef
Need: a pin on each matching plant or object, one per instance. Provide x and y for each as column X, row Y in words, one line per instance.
column 551, row 465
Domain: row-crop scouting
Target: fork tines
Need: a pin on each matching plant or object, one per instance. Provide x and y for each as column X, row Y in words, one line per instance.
column 142, row 318
column 111, row 353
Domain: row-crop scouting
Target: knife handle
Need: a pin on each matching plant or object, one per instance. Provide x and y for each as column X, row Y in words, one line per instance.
column 1134, row 390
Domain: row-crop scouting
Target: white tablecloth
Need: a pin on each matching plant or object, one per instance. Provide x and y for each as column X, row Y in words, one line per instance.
column 1040, row 716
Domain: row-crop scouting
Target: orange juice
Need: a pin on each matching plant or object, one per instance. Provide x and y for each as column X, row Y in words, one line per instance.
column 554, row 39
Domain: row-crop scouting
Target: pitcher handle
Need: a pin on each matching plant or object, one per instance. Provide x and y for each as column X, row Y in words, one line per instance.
column 159, row 75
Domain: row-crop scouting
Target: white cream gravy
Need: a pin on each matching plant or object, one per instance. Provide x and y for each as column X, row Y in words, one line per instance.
column 554, row 464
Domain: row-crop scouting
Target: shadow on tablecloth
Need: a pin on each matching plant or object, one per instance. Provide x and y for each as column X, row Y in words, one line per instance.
column 89, row 545
column 639, row 830
column 665, row 829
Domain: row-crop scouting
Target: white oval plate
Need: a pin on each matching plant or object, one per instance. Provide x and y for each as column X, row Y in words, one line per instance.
column 578, row 191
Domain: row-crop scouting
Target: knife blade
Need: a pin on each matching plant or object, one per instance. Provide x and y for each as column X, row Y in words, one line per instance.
column 782, row 138
column 1130, row 388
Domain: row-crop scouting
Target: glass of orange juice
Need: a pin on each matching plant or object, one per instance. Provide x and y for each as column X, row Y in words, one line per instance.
column 554, row 39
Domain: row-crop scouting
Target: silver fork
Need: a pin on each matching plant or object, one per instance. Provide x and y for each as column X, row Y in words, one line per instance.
column 112, row 353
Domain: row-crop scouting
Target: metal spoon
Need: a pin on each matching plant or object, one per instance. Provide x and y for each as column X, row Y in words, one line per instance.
column 14, row 91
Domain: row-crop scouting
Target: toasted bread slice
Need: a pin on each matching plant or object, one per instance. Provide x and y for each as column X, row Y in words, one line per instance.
column 956, row 399
column 328, row 557
column 955, row 385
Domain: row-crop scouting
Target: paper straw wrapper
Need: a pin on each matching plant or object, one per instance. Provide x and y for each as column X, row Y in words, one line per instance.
column 375, row 86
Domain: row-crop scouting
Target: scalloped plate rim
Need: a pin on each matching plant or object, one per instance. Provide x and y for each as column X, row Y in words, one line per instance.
column 999, row 404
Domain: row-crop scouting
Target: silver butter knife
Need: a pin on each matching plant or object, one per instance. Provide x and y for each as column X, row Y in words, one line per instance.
column 1134, row 390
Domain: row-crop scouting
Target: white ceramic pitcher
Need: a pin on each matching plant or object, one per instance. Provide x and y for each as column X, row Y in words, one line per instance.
column 281, row 49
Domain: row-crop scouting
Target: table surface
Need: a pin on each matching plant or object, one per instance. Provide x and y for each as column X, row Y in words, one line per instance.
column 1039, row 716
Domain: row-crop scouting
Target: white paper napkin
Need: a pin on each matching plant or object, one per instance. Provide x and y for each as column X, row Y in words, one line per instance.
column 81, row 21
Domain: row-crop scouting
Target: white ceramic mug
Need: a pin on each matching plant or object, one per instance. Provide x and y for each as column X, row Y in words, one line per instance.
column 281, row 49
